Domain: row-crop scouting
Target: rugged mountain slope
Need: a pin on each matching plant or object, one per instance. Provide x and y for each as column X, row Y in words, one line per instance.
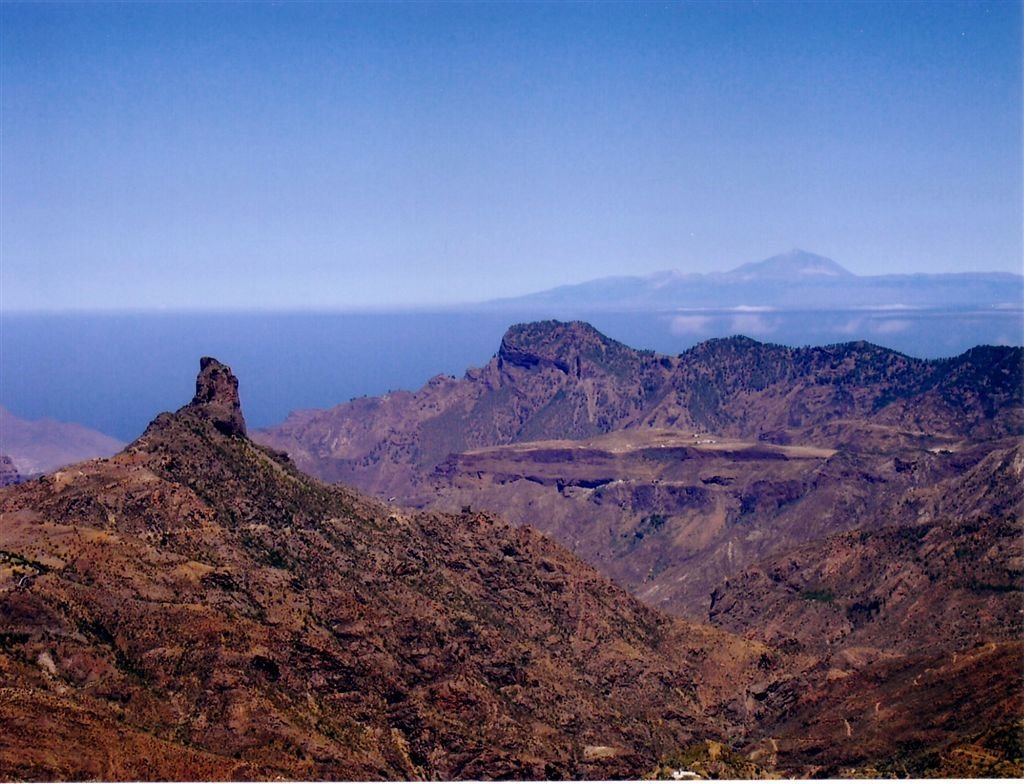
column 949, row 715
column 552, row 380
column 195, row 608
column 938, row 587
column 42, row 445
column 669, row 516
column 918, row 630
column 670, row 473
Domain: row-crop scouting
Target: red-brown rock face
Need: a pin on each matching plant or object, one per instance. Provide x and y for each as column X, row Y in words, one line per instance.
column 217, row 399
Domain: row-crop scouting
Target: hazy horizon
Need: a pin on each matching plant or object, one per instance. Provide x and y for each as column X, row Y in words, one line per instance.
column 269, row 157
column 470, row 306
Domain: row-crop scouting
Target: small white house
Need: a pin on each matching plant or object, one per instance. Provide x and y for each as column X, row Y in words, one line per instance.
column 683, row 775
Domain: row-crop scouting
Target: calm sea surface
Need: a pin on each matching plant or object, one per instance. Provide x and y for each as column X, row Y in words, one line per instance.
column 114, row 373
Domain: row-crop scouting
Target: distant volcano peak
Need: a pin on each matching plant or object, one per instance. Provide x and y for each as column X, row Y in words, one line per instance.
column 796, row 263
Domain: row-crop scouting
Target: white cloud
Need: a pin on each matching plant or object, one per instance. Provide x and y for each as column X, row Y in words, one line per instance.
column 892, row 306
column 752, row 324
column 852, row 327
column 891, row 326
column 688, row 325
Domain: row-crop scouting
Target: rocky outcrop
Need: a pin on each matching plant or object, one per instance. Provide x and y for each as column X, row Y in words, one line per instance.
column 559, row 345
column 217, row 398
column 8, row 472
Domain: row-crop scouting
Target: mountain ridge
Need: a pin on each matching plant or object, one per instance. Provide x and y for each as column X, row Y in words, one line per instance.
column 541, row 384
column 667, row 472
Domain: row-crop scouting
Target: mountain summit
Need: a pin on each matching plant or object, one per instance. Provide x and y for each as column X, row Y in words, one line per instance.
column 217, row 398
column 791, row 267
column 557, row 344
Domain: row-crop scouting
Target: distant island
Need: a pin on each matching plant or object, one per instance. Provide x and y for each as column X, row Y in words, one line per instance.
column 797, row 280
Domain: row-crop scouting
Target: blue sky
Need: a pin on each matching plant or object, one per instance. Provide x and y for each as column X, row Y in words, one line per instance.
column 329, row 155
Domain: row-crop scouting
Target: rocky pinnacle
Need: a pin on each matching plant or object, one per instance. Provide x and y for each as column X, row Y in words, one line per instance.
column 217, row 397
